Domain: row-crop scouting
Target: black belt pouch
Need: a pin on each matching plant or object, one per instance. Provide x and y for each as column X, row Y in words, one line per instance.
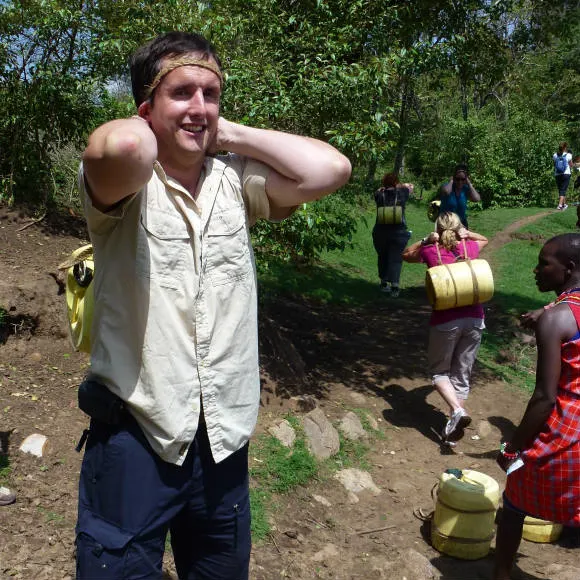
column 99, row 403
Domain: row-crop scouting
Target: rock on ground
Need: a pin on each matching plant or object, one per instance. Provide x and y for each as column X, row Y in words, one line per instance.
column 322, row 438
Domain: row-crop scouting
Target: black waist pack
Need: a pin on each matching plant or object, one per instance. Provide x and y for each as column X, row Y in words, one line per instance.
column 99, row 403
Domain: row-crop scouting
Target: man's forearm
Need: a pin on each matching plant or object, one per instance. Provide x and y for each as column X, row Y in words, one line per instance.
column 305, row 168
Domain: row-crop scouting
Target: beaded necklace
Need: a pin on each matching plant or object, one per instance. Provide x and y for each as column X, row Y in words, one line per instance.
column 569, row 296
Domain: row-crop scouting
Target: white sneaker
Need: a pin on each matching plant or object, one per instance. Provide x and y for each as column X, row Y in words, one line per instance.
column 560, row 207
column 457, row 422
column 6, row 496
column 565, row 206
column 385, row 287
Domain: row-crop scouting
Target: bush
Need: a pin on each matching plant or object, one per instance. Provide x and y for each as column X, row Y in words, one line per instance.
column 327, row 224
column 509, row 157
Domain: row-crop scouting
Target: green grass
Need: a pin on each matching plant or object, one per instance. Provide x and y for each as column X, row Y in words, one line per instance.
column 261, row 505
column 516, row 293
column 281, row 469
column 351, row 454
column 5, row 469
column 275, row 469
column 350, row 277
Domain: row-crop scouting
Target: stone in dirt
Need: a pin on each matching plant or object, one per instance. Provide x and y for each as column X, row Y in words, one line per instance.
column 303, row 403
column 351, row 427
column 358, row 398
column 329, row 552
column 284, row 432
column 356, row 480
column 321, row 499
column 35, row 444
column 402, row 487
column 484, row 428
column 411, row 565
column 562, row 572
column 321, row 436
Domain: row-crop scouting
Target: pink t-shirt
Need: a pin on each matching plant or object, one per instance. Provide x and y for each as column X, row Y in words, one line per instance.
column 429, row 256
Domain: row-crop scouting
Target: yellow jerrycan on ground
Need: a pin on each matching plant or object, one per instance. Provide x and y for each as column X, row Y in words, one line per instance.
column 463, row 524
column 461, row 283
column 79, row 268
column 541, row 531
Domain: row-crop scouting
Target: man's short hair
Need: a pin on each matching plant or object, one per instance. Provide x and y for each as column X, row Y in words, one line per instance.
column 146, row 61
column 567, row 248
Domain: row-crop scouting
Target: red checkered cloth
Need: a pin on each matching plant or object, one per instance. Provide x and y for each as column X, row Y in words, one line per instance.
column 548, row 485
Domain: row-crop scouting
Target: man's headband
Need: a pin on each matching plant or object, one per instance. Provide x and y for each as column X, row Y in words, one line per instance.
column 174, row 63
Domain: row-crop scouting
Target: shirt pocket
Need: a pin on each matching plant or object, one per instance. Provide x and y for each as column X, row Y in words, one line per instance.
column 228, row 250
column 163, row 248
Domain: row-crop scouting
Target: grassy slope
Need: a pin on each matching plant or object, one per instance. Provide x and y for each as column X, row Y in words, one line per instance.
column 350, row 277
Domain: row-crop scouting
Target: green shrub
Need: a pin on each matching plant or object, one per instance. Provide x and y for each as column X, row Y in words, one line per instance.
column 509, row 157
column 327, row 224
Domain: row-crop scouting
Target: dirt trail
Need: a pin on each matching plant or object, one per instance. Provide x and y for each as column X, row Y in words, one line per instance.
column 370, row 359
column 504, row 237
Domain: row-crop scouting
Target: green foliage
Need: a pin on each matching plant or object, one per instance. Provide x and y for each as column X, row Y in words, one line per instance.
column 421, row 85
column 510, row 162
column 327, row 224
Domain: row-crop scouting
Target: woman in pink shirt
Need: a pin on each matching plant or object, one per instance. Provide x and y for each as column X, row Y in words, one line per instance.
column 455, row 334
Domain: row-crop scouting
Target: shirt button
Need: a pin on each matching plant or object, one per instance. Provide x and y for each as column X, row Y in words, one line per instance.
column 183, row 449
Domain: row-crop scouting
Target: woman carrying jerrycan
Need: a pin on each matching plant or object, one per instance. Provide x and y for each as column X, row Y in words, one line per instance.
column 455, row 333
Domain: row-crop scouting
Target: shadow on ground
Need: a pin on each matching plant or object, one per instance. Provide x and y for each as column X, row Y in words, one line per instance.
column 307, row 345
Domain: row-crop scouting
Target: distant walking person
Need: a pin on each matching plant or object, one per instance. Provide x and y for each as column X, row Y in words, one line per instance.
column 562, row 173
column 455, row 334
column 547, row 440
column 456, row 192
column 390, row 235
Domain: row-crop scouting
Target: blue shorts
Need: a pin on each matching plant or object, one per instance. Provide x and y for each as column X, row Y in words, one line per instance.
column 129, row 499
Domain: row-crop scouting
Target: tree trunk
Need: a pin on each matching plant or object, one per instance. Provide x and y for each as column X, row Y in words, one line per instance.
column 406, row 99
column 371, row 170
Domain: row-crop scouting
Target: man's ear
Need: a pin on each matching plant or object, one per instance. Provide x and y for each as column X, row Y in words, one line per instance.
column 144, row 109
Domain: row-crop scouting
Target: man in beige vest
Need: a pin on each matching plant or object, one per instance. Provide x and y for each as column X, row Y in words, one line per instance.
column 174, row 385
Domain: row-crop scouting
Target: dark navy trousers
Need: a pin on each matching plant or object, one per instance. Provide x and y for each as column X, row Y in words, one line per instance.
column 129, row 499
column 389, row 242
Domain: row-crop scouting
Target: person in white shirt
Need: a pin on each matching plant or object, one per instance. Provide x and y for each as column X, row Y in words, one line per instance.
column 173, row 391
column 562, row 173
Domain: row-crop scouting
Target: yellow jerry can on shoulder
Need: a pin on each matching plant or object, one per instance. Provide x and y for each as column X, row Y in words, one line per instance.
column 80, row 268
column 390, row 215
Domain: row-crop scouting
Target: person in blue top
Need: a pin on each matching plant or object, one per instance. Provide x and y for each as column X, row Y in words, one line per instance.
column 562, row 173
column 456, row 192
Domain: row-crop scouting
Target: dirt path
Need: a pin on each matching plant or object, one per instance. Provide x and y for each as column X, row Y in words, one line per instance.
column 370, row 359
column 504, row 237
